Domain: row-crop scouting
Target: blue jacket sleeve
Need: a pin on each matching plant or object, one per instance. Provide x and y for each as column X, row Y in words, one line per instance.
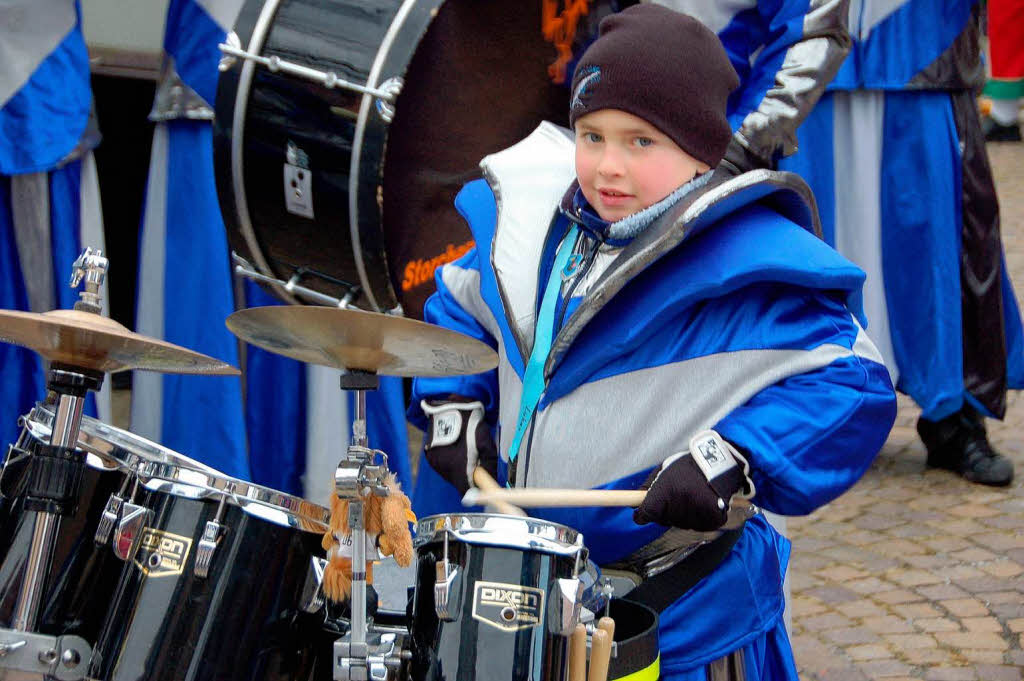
column 457, row 289
column 812, row 435
column 785, row 53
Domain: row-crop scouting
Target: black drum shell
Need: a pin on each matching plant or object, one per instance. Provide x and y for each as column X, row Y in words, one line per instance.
column 477, row 80
column 470, row 649
column 84, row 575
column 244, row 622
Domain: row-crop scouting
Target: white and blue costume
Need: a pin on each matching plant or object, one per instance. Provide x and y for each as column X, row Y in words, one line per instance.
column 727, row 312
column 896, row 159
column 49, row 194
column 185, row 288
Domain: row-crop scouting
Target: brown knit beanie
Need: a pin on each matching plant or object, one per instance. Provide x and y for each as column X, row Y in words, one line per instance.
column 665, row 67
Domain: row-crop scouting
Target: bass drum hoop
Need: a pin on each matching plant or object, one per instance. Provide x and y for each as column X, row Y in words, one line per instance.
column 361, row 175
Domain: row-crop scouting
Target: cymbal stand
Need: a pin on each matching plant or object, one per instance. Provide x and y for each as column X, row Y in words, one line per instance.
column 361, row 653
column 54, row 479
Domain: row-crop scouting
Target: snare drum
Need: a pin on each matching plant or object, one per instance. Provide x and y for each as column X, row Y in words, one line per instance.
column 222, row 583
column 340, row 188
column 495, row 597
column 84, row 570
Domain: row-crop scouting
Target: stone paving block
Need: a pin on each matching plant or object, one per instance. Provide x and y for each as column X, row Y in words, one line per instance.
column 842, row 674
column 802, row 606
column 1016, row 625
column 861, row 608
column 870, row 651
column 947, row 544
column 940, row 592
column 832, row 594
column 928, row 657
column 951, row 674
column 981, row 585
column 973, row 511
column 1003, row 568
column 829, row 620
column 957, row 572
column 929, row 561
column 840, row 573
column 871, row 585
column 1003, row 522
column 888, row 624
column 916, row 610
column 937, row 624
column 983, row 656
column 912, row 577
column 998, row 597
column 897, row 596
column 965, row 607
column 1000, row 541
column 999, row 672
column 973, row 555
column 982, row 624
column 911, row 641
column 884, row 668
column 850, row 636
column 972, row 640
column 1007, row 610
column 897, row 547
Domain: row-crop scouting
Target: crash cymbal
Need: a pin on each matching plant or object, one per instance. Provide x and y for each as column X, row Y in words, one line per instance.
column 368, row 341
column 90, row 341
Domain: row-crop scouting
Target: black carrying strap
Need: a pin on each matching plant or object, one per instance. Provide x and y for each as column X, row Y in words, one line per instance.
column 664, row 588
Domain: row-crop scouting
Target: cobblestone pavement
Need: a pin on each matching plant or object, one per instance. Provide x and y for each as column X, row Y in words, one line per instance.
column 915, row 573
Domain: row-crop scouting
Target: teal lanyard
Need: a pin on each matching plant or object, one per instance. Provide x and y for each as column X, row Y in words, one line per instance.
column 533, row 379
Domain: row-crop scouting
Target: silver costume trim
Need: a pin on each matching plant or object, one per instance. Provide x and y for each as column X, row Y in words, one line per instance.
column 30, row 214
column 809, row 65
column 174, row 99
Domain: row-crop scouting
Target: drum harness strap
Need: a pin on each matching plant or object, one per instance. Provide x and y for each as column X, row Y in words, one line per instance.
column 661, row 590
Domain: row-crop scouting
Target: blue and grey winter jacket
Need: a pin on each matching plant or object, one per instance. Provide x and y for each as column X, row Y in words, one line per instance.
column 726, row 313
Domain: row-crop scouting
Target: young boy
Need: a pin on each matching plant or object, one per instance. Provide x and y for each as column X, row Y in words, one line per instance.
column 663, row 326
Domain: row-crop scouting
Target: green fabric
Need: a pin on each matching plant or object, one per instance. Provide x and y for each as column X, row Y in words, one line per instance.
column 1004, row 89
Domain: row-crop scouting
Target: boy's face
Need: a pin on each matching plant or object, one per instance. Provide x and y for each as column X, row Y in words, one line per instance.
column 624, row 164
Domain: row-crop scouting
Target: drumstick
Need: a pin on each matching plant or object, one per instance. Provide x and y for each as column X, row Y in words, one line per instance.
column 578, row 654
column 483, row 480
column 607, row 624
column 538, row 496
column 600, row 654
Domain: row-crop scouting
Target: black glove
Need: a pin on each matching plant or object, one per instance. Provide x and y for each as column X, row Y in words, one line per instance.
column 459, row 440
column 691, row 495
column 738, row 159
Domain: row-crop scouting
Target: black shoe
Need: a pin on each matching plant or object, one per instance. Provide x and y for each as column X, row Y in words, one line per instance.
column 997, row 132
column 959, row 443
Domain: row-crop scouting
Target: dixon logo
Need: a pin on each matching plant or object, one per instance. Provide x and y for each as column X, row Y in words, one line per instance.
column 162, row 554
column 507, row 606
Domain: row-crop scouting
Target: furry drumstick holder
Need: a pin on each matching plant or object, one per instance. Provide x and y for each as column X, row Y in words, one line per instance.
column 386, row 519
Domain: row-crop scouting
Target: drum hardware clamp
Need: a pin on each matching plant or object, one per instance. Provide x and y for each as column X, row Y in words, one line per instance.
column 129, row 531
column 209, row 540
column 112, row 512
column 328, row 79
column 444, row 584
column 244, row 269
column 26, row 656
column 361, row 654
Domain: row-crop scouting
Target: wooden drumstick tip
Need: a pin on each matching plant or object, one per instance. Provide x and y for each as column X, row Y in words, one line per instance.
column 578, row 653
column 607, row 624
column 470, row 497
column 600, row 655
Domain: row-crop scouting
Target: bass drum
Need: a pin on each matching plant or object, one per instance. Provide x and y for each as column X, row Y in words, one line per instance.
column 344, row 192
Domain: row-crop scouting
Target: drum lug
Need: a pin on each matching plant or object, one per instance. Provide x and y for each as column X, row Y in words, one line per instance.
column 312, row 591
column 109, row 518
column 564, row 609
column 25, row 655
column 129, row 530
column 207, row 546
column 445, row 603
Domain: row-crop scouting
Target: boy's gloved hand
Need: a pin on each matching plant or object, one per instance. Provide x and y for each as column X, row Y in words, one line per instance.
column 739, row 159
column 692, row 489
column 459, row 440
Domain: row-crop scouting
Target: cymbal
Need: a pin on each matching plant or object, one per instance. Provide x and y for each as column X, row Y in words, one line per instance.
column 90, row 341
column 367, row 341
